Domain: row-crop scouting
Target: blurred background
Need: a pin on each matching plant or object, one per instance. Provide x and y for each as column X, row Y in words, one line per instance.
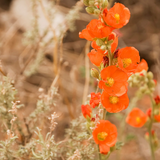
column 27, row 56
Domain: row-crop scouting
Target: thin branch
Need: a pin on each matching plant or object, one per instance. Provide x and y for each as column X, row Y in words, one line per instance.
column 55, row 50
column 86, row 86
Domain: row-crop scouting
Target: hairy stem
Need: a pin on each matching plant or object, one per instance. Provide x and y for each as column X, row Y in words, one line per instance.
column 150, row 129
column 99, row 153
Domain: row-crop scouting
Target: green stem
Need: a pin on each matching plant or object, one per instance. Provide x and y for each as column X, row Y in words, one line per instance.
column 110, row 63
column 150, row 130
column 99, row 153
column 110, row 57
column 104, row 114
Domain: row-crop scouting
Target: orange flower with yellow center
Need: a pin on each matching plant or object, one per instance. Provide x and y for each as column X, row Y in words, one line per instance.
column 114, row 81
column 97, row 29
column 105, row 133
column 128, row 59
column 136, row 118
column 114, row 104
column 117, row 16
column 102, row 136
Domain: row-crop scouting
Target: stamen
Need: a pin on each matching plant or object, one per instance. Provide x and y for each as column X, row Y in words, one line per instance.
column 110, row 82
column 102, row 136
column 126, row 62
column 113, row 99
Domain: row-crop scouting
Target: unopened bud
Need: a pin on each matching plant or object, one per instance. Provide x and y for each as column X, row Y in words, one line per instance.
column 90, row 10
column 99, row 42
column 86, row 2
column 147, row 136
column 150, row 75
column 110, row 42
column 151, row 84
column 155, row 143
column 104, row 4
column 94, row 73
column 91, row 2
column 103, row 47
column 97, row 11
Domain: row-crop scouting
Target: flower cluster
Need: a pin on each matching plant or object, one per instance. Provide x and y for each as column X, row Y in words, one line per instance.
column 114, row 67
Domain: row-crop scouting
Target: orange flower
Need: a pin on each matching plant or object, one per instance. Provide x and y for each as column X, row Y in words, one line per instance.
column 128, row 58
column 142, row 66
column 114, row 104
column 95, row 57
column 105, row 134
column 97, row 29
column 114, row 81
column 117, row 16
column 95, row 99
column 85, row 34
column 136, row 118
column 86, row 110
column 114, row 45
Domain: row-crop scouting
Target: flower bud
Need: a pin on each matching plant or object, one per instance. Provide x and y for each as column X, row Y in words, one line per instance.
column 96, row 4
column 99, row 42
column 94, row 73
column 147, row 136
column 150, row 75
column 86, row 2
column 91, row 2
column 90, row 10
column 103, row 47
column 97, row 11
column 104, row 4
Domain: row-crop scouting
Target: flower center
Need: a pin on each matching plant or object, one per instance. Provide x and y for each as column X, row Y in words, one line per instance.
column 138, row 119
column 126, row 62
column 113, row 99
column 117, row 17
column 102, row 136
column 100, row 26
column 109, row 82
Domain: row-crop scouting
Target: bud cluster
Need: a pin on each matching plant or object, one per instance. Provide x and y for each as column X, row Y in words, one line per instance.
column 95, row 6
column 144, row 81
